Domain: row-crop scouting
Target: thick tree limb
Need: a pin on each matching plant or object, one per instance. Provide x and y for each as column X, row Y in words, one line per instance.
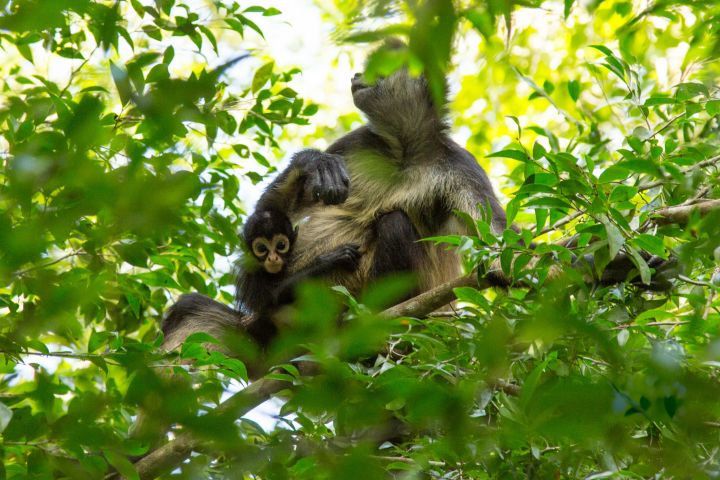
column 426, row 302
column 682, row 213
column 174, row 452
column 165, row 458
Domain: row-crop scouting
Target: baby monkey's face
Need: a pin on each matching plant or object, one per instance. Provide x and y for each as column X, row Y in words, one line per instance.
column 271, row 252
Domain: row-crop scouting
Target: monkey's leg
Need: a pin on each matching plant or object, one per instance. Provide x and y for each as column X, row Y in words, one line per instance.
column 397, row 249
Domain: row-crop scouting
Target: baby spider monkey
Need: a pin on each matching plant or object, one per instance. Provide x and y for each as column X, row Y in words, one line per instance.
column 263, row 283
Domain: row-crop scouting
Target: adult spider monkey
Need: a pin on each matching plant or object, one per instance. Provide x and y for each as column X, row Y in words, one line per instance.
column 382, row 187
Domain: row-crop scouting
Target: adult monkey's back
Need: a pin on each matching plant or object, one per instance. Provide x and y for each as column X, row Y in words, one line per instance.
column 382, row 186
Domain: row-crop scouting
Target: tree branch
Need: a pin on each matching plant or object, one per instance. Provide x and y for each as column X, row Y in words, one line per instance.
column 697, row 166
column 426, row 302
column 174, row 452
column 682, row 213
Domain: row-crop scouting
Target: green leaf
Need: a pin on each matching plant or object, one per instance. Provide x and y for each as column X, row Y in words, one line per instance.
column 6, row 415
column 615, row 237
column 122, row 83
column 251, row 24
column 267, row 12
column 471, row 295
column 242, row 150
column 98, row 339
column 516, row 122
column 548, row 86
column 686, row 91
column 656, row 314
column 531, row 381
column 511, row 210
column 133, row 253
column 567, row 8
column 622, row 193
column 482, row 21
column 506, row 258
column 538, row 151
column 514, row 154
column 641, row 265
column 613, row 174
column 548, row 202
column 158, row 73
column 603, row 49
column 210, row 36
column 574, row 88
column 659, row 100
column 651, row 244
column 122, row 464
column 712, row 107
column 262, row 75
column 201, row 337
column 153, row 32
column 260, row 158
column 310, row 110
column 168, row 55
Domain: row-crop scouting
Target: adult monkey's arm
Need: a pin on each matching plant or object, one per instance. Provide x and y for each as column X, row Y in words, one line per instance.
column 312, row 176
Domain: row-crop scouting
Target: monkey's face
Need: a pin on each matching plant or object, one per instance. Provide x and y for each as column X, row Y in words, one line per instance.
column 271, row 253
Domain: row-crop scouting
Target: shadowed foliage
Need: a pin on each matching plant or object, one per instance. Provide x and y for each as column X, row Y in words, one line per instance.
column 132, row 133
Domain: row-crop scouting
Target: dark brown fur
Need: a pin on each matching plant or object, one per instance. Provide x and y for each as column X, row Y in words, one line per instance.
column 381, row 188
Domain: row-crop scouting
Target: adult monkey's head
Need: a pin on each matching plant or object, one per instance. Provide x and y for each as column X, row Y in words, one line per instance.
column 397, row 103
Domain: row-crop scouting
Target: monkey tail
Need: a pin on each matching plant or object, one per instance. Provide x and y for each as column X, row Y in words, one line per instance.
column 193, row 313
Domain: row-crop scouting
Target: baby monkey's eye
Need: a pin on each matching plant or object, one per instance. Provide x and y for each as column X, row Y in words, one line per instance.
column 260, row 247
column 282, row 244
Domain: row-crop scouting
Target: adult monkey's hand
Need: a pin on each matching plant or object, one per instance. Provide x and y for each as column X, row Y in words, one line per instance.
column 324, row 177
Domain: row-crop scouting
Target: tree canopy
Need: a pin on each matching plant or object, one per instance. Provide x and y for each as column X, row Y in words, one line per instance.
column 134, row 133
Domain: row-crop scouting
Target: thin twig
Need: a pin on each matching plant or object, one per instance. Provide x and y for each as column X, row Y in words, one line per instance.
column 563, row 221
column 667, row 124
column 695, row 282
column 708, row 304
column 543, row 93
column 20, row 273
column 594, row 361
column 79, row 356
column 409, row 461
column 698, row 197
column 651, row 324
column 76, row 70
column 697, row 166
